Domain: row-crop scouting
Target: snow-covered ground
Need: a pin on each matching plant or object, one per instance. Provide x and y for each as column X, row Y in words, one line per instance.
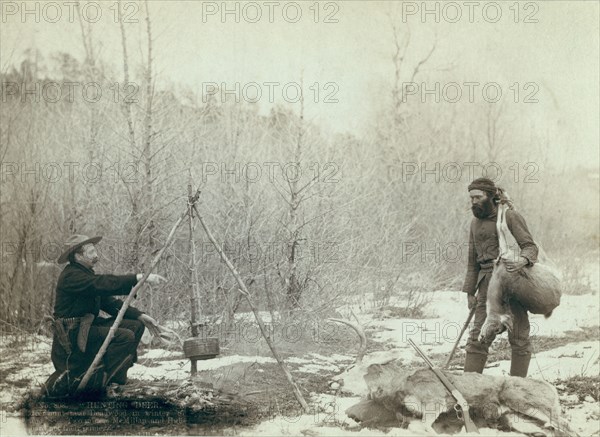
column 438, row 335
column 435, row 334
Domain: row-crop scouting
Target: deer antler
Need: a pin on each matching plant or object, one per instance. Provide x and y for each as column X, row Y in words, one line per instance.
column 361, row 335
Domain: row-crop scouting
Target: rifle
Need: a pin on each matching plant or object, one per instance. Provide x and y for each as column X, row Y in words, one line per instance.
column 461, row 407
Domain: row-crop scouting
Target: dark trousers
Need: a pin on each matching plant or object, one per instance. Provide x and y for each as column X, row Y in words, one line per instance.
column 124, row 343
column 518, row 338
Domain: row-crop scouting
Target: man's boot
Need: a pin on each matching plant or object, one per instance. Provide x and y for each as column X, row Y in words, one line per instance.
column 120, row 377
column 119, row 372
column 519, row 364
column 475, row 362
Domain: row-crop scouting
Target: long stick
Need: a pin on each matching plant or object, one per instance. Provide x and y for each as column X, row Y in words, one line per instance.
column 261, row 325
column 121, row 314
column 464, row 328
column 193, row 277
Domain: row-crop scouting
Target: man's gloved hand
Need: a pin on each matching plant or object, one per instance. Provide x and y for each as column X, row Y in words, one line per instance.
column 153, row 278
column 150, row 323
column 471, row 301
column 515, row 266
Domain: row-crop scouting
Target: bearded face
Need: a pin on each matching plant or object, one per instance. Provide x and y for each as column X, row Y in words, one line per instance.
column 88, row 256
column 482, row 205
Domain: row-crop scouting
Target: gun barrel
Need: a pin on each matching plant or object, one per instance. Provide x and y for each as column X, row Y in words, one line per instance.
column 421, row 353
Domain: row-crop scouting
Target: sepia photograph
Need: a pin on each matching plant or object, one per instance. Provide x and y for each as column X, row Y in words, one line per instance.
column 300, row 218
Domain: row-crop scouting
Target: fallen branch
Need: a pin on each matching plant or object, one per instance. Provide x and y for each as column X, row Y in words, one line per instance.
column 244, row 291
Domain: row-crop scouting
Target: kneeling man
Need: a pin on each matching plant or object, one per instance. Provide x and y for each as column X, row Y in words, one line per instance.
column 78, row 331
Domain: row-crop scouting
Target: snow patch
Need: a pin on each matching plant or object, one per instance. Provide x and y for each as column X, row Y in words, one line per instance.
column 180, row 369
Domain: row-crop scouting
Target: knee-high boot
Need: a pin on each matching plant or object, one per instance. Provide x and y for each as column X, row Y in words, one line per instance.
column 475, row 362
column 519, row 364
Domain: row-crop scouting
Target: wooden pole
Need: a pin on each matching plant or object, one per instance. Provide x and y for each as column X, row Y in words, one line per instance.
column 462, row 331
column 195, row 309
column 121, row 314
column 261, row 325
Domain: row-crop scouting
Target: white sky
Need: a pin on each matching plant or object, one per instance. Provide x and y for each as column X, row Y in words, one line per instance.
column 560, row 53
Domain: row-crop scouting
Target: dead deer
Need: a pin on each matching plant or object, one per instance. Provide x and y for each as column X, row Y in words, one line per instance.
column 398, row 396
column 537, row 288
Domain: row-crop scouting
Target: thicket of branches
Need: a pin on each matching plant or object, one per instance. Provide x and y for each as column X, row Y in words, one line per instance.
column 355, row 221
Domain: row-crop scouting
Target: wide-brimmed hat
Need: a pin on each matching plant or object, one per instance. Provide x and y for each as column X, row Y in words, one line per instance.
column 73, row 243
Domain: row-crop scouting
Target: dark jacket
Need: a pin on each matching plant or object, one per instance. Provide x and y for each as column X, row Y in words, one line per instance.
column 80, row 290
column 483, row 244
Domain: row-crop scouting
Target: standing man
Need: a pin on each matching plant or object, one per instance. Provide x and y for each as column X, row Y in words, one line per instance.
column 78, row 331
column 483, row 250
